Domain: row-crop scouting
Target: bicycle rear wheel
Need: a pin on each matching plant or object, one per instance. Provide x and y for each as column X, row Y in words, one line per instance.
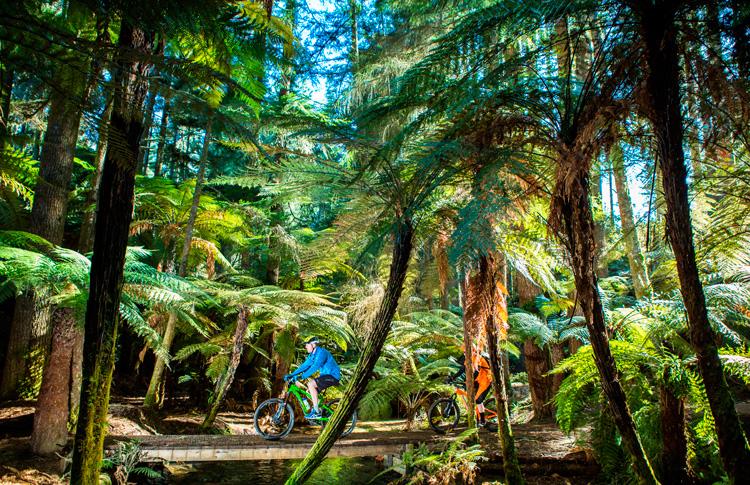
column 274, row 419
column 332, row 407
column 443, row 415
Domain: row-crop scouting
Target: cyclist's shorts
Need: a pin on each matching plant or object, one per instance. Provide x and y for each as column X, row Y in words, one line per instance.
column 325, row 381
column 482, row 393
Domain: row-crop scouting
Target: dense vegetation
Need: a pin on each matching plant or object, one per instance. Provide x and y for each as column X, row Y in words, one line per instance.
column 190, row 189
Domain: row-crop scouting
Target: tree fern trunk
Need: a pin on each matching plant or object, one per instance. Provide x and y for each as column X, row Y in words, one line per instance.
column 488, row 278
column 114, row 213
column 662, row 106
column 402, row 246
column 574, row 220
column 31, row 330
column 50, row 432
column 674, row 464
column 228, row 377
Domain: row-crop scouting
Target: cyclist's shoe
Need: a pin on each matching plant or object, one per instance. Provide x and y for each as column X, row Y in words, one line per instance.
column 313, row 414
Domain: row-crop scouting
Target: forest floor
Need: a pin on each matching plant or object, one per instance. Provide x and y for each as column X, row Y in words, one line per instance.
column 544, row 450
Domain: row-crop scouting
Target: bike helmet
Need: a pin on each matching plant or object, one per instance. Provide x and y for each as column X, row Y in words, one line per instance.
column 312, row 340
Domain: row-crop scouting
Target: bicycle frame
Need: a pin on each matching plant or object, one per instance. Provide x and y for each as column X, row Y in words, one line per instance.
column 303, row 398
column 489, row 413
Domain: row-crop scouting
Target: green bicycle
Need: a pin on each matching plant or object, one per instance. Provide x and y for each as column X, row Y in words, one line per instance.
column 274, row 418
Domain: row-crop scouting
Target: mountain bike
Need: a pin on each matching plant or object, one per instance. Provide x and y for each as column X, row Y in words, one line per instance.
column 274, row 418
column 445, row 413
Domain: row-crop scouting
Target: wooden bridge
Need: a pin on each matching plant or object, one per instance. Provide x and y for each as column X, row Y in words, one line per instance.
column 195, row 448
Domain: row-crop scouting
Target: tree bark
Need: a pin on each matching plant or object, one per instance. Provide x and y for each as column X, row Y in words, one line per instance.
column 573, row 218
column 113, row 217
column 222, row 385
column 674, row 464
column 493, row 297
column 402, row 246
column 53, row 407
column 536, row 359
column 638, row 274
column 30, row 330
column 662, row 106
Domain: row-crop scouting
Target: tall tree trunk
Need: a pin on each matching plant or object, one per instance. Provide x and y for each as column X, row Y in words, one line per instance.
column 495, row 311
column 641, row 284
column 86, row 238
column 536, row 358
column 53, row 408
column 151, row 399
column 402, row 246
column 113, row 217
column 222, row 385
column 30, row 330
column 572, row 217
column 162, row 137
column 674, row 464
column 662, row 107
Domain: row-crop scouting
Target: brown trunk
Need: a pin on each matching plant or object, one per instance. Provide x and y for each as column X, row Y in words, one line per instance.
column 53, row 407
column 662, row 106
column 152, row 400
column 402, row 246
column 225, row 381
column 572, row 217
column 536, row 359
column 557, row 354
column 540, row 384
column 492, row 297
column 30, row 330
column 674, row 464
column 641, row 284
column 113, row 216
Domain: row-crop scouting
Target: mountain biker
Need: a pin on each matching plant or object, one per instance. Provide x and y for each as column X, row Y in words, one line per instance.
column 318, row 359
column 482, row 380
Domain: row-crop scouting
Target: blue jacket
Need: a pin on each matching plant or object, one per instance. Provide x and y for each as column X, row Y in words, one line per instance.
column 319, row 360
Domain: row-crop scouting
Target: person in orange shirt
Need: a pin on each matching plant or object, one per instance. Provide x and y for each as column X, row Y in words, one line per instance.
column 482, row 379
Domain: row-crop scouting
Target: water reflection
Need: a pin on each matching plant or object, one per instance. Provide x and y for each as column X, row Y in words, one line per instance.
column 349, row 471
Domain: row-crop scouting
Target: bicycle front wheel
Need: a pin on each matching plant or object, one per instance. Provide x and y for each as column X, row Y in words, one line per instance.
column 274, row 419
column 332, row 407
column 443, row 415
